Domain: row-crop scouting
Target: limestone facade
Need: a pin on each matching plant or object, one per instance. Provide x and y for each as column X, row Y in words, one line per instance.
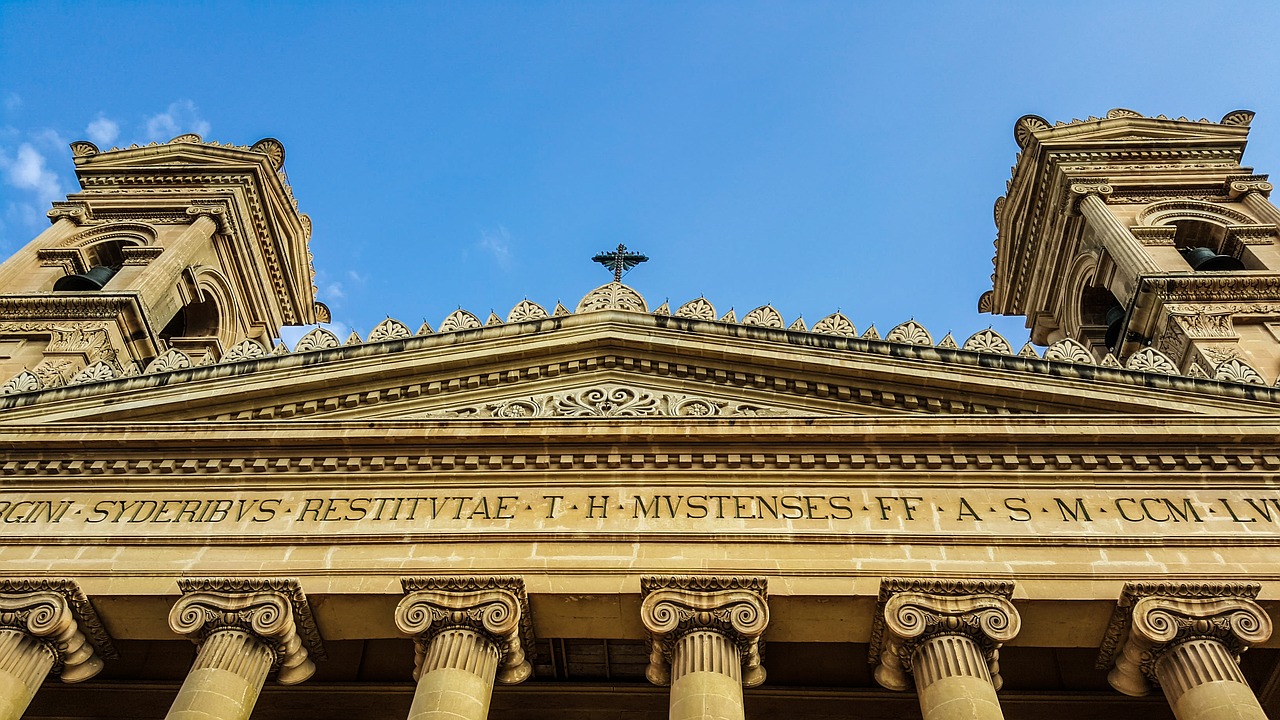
column 623, row 511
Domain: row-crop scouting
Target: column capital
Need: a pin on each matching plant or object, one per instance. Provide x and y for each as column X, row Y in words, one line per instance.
column 1151, row 618
column 1080, row 188
column 75, row 212
column 215, row 213
column 272, row 610
column 496, row 608
column 1239, row 185
column 911, row 612
column 674, row 606
column 57, row 613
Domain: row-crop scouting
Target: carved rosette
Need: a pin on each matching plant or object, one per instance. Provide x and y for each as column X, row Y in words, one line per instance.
column 57, row 616
column 494, row 608
column 914, row 612
column 1153, row 622
column 274, row 612
column 734, row 607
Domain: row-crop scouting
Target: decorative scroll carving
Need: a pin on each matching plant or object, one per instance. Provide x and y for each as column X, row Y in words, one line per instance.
column 273, row 149
column 987, row 301
column 97, row 372
column 698, row 309
column 910, row 333
column 217, row 214
column 1152, row 618
column 1236, row 370
column 25, row 381
column 527, row 310
column 764, row 316
column 460, row 320
column 664, row 309
column 389, row 329
column 172, row 359
column 322, row 312
column 187, row 139
column 83, row 148
column 496, row 608
column 272, row 610
column 1155, row 236
column 1025, row 127
column 1151, row 360
column 54, row 372
column 798, row 325
column 1237, row 187
column 492, row 320
column 948, row 342
column 735, row 607
column 912, row 612
column 425, row 329
column 835, row 324
column 1205, row 322
column 58, row 614
column 729, row 317
column 613, row 401
column 1114, row 113
column 1028, row 351
column 318, row 339
column 871, row 333
column 988, row 341
column 612, row 296
column 353, row 339
column 247, row 349
column 1237, row 117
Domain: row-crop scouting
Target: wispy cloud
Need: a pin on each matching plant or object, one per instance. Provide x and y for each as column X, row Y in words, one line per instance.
column 497, row 243
column 180, row 117
column 27, row 170
column 103, row 131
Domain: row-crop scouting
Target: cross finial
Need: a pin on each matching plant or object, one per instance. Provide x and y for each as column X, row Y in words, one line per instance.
column 619, row 260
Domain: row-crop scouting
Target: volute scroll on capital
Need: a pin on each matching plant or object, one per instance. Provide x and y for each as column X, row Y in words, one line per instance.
column 912, row 612
column 56, row 613
column 273, row 611
column 736, row 607
column 1151, row 619
column 497, row 608
column 217, row 214
column 1080, row 188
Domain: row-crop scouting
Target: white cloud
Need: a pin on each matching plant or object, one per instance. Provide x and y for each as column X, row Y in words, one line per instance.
column 498, row 244
column 103, row 131
column 26, row 170
column 180, row 117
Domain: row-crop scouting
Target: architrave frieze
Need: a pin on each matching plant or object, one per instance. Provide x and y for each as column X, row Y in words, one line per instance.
column 1226, row 287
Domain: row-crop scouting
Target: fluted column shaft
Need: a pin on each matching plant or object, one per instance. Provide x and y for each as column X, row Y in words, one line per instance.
column 1121, row 245
column 1202, row 681
column 16, row 273
column 155, row 284
column 706, row 678
column 1261, row 207
column 24, row 663
column 457, row 677
column 225, row 680
column 953, row 681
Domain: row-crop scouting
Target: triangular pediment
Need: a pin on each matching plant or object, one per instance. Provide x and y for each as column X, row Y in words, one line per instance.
column 606, row 362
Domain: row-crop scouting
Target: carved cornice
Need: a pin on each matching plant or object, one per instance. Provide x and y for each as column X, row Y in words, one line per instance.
column 1150, row 618
column 1226, row 287
column 58, row 614
column 497, row 608
column 273, row 610
column 736, row 607
column 913, row 611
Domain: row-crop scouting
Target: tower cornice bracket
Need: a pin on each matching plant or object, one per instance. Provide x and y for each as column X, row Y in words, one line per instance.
column 673, row 606
column 912, row 612
column 496, row 608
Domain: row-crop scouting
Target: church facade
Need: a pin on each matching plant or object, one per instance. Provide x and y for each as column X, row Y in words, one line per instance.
column 620, row 510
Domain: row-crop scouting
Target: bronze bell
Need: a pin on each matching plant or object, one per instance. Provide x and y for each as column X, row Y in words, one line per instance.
column 93, row 280
column 1115, row 323
column 1202, row 259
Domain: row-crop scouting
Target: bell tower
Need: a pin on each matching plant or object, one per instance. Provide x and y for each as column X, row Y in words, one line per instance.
column 1126, row 232
column 189, row 245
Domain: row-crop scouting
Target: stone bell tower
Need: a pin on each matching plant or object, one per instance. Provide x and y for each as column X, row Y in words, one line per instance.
column 1127, row 232
column 186, row 246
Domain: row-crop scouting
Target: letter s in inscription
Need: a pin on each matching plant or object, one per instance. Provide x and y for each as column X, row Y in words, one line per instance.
column 266, row 510
column 1019, row 512
column 97, row 515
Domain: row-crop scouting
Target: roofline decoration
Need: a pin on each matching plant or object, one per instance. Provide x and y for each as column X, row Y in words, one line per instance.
column 908, row 339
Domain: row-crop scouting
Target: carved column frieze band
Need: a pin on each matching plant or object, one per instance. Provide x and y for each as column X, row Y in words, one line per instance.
column 677, row 606
column 272, row 611
column 477, row 614
column 57, row 615
column 1159, row 630
column 914, row 612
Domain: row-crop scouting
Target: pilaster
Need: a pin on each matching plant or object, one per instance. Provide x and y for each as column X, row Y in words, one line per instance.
column 943, row 637
column 1187, row 639
column 705, row 641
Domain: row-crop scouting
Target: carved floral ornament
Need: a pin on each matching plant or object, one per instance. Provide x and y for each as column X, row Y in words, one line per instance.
column 611, row 400
column 273, row 611
column 912, row 612
column 57, row 614
column 674, row 606
column 1151, row 618
column 496, row 608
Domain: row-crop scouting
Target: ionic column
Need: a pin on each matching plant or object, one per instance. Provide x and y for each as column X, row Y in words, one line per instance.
column 244, row 630
column 40, row 632
column 15, row 273
column 469, row 633
column 704, row 641
column 1125, row 249
column 1187, row 640
column 943, row 637
column 1252, row 192
column 156, row 282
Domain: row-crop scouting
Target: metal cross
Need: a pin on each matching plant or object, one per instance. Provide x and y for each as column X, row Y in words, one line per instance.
column 619, row 260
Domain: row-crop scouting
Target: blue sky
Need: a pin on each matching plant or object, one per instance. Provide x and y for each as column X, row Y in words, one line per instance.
column 816, row 156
